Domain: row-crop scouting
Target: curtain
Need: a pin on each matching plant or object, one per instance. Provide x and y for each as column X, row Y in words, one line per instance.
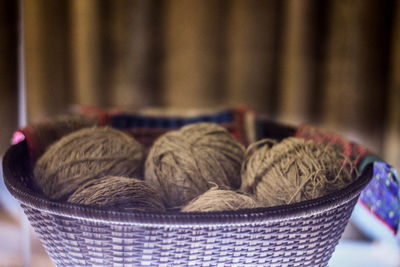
column 333, row 63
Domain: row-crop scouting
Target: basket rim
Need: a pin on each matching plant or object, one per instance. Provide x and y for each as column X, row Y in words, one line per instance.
column 12, row 175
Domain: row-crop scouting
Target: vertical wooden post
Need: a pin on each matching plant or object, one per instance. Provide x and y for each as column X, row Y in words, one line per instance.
column 253, row 53
column 8, row 71
column 132, row 66
column 85, row 52
column 301, row 60
column 194, row 53
column 356, row 62
column 392, row 127
column 47, row 57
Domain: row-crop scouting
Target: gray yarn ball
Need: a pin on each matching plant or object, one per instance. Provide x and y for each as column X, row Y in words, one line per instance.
column 84, row 155
column 118, row 194
column 293, row 170
column 220, row 200
column 185, row 163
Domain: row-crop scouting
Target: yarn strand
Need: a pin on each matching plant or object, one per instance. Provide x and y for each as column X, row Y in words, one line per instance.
column 293, row 170
column 183, row 163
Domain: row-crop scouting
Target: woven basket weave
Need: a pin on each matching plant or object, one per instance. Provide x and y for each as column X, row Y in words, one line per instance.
column 301, row 234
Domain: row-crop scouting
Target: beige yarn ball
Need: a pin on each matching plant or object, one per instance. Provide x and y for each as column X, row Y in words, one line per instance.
column 220, row 200
column 119, row 194
column 182, row 164
column 84, row 155
column 293, row 170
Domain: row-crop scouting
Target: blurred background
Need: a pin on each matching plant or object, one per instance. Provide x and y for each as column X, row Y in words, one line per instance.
column 334, row 63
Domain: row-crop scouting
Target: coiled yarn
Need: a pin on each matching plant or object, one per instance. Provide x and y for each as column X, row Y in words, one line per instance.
column 185, row 163
column 293, row 170
column 84, row 155
column 220, row 200
column 118, row 194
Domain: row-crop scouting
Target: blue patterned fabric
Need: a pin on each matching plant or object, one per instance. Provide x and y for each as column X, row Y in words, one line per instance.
column 139, row 121
column 381, row 196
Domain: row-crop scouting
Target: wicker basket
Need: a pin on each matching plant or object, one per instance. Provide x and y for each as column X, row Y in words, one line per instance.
column 302, row 234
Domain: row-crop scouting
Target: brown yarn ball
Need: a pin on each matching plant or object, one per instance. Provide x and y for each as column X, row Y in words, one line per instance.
column 220, row 200
column 293, row 170
column 182, row 164
column 87, row 154
column 119, row 194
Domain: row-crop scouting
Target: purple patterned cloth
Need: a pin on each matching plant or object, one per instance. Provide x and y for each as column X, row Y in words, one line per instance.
column 381, row 196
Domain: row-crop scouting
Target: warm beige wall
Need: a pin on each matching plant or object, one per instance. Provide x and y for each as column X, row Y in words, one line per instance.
column 320, row 61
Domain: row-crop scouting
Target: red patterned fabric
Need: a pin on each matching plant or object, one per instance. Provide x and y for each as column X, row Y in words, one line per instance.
column 40, row 135
column 353, row 151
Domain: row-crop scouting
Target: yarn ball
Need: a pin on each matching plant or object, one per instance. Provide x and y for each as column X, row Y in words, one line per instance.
column 293, row 170
column 41, row 135
column 220, row 200
column 87, row 154
column 119, row 194
column 183, row 164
